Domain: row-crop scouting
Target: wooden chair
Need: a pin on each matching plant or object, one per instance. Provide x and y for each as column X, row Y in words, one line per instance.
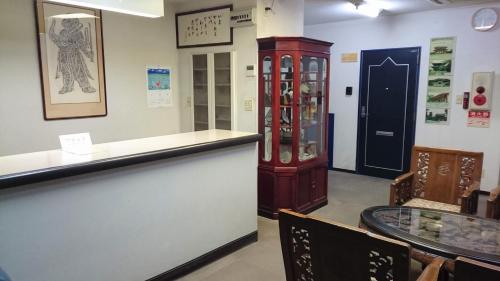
column 493, row 204
column 441, row 179
column 471, row 270
column 317, row 250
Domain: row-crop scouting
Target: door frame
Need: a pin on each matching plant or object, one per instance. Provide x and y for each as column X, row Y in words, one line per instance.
column 409, row 143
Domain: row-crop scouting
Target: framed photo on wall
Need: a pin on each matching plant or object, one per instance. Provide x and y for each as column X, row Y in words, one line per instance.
column 207, row 27
column 71, row 61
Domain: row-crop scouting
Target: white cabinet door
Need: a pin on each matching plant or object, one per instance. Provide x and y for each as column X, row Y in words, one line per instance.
column 200, row 93
column 213, row 99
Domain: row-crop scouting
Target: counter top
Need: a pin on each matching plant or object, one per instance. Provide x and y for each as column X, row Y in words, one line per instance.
column 34, row 167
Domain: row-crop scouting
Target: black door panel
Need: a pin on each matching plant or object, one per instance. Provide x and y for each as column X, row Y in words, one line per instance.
column 386, row 122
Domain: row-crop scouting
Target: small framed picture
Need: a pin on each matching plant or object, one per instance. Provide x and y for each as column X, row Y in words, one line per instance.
column 71, row 61
column 207, row 27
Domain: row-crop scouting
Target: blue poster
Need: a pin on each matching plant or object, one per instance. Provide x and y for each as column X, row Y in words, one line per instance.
column 158, row 79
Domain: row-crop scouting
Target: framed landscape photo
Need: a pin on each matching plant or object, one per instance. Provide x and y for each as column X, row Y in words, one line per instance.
column 207, row 27
column 71, row 61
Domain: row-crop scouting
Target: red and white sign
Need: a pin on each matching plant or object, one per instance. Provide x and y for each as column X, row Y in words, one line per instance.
column 479, row 119
column 481, row 92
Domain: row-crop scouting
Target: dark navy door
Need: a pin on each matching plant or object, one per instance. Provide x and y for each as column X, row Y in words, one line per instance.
column 387, row 111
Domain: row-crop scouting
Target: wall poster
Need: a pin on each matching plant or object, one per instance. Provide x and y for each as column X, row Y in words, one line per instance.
column 159, row 92
column 207, row 27
column 440, row 80
column 71, row 61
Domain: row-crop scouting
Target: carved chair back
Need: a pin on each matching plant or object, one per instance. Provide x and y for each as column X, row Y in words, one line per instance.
column 443, row 175
column 316, row 250
column 471, row 270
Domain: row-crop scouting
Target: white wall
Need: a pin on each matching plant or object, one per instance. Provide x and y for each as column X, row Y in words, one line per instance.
column 475, row 51
column 285, row 19
column 130, row 44
column 245, row 51
column 131, row 223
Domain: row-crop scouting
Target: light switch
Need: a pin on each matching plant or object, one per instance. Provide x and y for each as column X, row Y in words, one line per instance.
column 459, row 99
column 348, row 91
column 251, row 70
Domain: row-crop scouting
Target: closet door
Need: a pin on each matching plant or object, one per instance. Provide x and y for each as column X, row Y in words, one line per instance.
column 200, row 92
column 222, row 91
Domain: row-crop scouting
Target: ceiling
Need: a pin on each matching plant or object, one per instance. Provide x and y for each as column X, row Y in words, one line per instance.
column 322, row 11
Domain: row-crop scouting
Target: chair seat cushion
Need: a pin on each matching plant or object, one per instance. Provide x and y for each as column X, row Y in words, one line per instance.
column 422, row 203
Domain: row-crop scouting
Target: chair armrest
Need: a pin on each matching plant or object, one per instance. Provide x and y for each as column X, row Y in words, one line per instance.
column 469, row 200
column 471, row 189
column 401, row 189
column 432, row 271
column 493, row 204
column 495, row 194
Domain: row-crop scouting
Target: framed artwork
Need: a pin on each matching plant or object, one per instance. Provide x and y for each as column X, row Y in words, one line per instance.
column 440, row 79
column 207, row 27
column 71, row 61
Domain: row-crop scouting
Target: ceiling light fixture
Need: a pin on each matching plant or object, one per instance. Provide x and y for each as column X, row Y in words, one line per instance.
column 366, row 9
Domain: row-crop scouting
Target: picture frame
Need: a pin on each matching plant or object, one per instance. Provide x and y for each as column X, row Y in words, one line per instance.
column 206, row 27
column 71, row 61
column 440, row 80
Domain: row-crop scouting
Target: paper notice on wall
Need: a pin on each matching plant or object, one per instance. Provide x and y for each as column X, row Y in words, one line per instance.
column 159, row 92
column 349, row 57
column 479, row 118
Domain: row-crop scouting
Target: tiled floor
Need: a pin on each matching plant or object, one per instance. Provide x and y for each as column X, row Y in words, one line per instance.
column 348, row 195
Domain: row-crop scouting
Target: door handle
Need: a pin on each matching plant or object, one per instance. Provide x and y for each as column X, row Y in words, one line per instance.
column 384, row 133
column 363, row 111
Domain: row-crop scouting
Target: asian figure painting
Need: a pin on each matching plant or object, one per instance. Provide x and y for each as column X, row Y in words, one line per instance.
column 71, row 61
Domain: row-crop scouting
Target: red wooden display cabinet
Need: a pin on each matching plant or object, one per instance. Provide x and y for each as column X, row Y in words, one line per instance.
column 293, row 111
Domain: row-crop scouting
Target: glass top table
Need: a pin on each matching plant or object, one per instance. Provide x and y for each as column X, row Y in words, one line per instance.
column 438, row 232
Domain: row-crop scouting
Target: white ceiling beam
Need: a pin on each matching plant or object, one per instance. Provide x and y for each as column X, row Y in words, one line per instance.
column 144, row 8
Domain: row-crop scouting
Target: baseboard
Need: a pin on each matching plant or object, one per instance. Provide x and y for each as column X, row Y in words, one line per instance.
column 343, row 170
column 207, row 258
column 314, row 207
column 267, row 214
column 484, row 192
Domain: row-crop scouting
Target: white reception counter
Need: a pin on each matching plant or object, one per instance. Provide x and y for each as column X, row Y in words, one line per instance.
column 151, row 208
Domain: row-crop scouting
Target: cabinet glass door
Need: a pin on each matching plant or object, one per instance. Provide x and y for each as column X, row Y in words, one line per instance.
column 286, row 108
column 200, row 92
column 312, row 106
column 222, row 79
column 268, row 108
